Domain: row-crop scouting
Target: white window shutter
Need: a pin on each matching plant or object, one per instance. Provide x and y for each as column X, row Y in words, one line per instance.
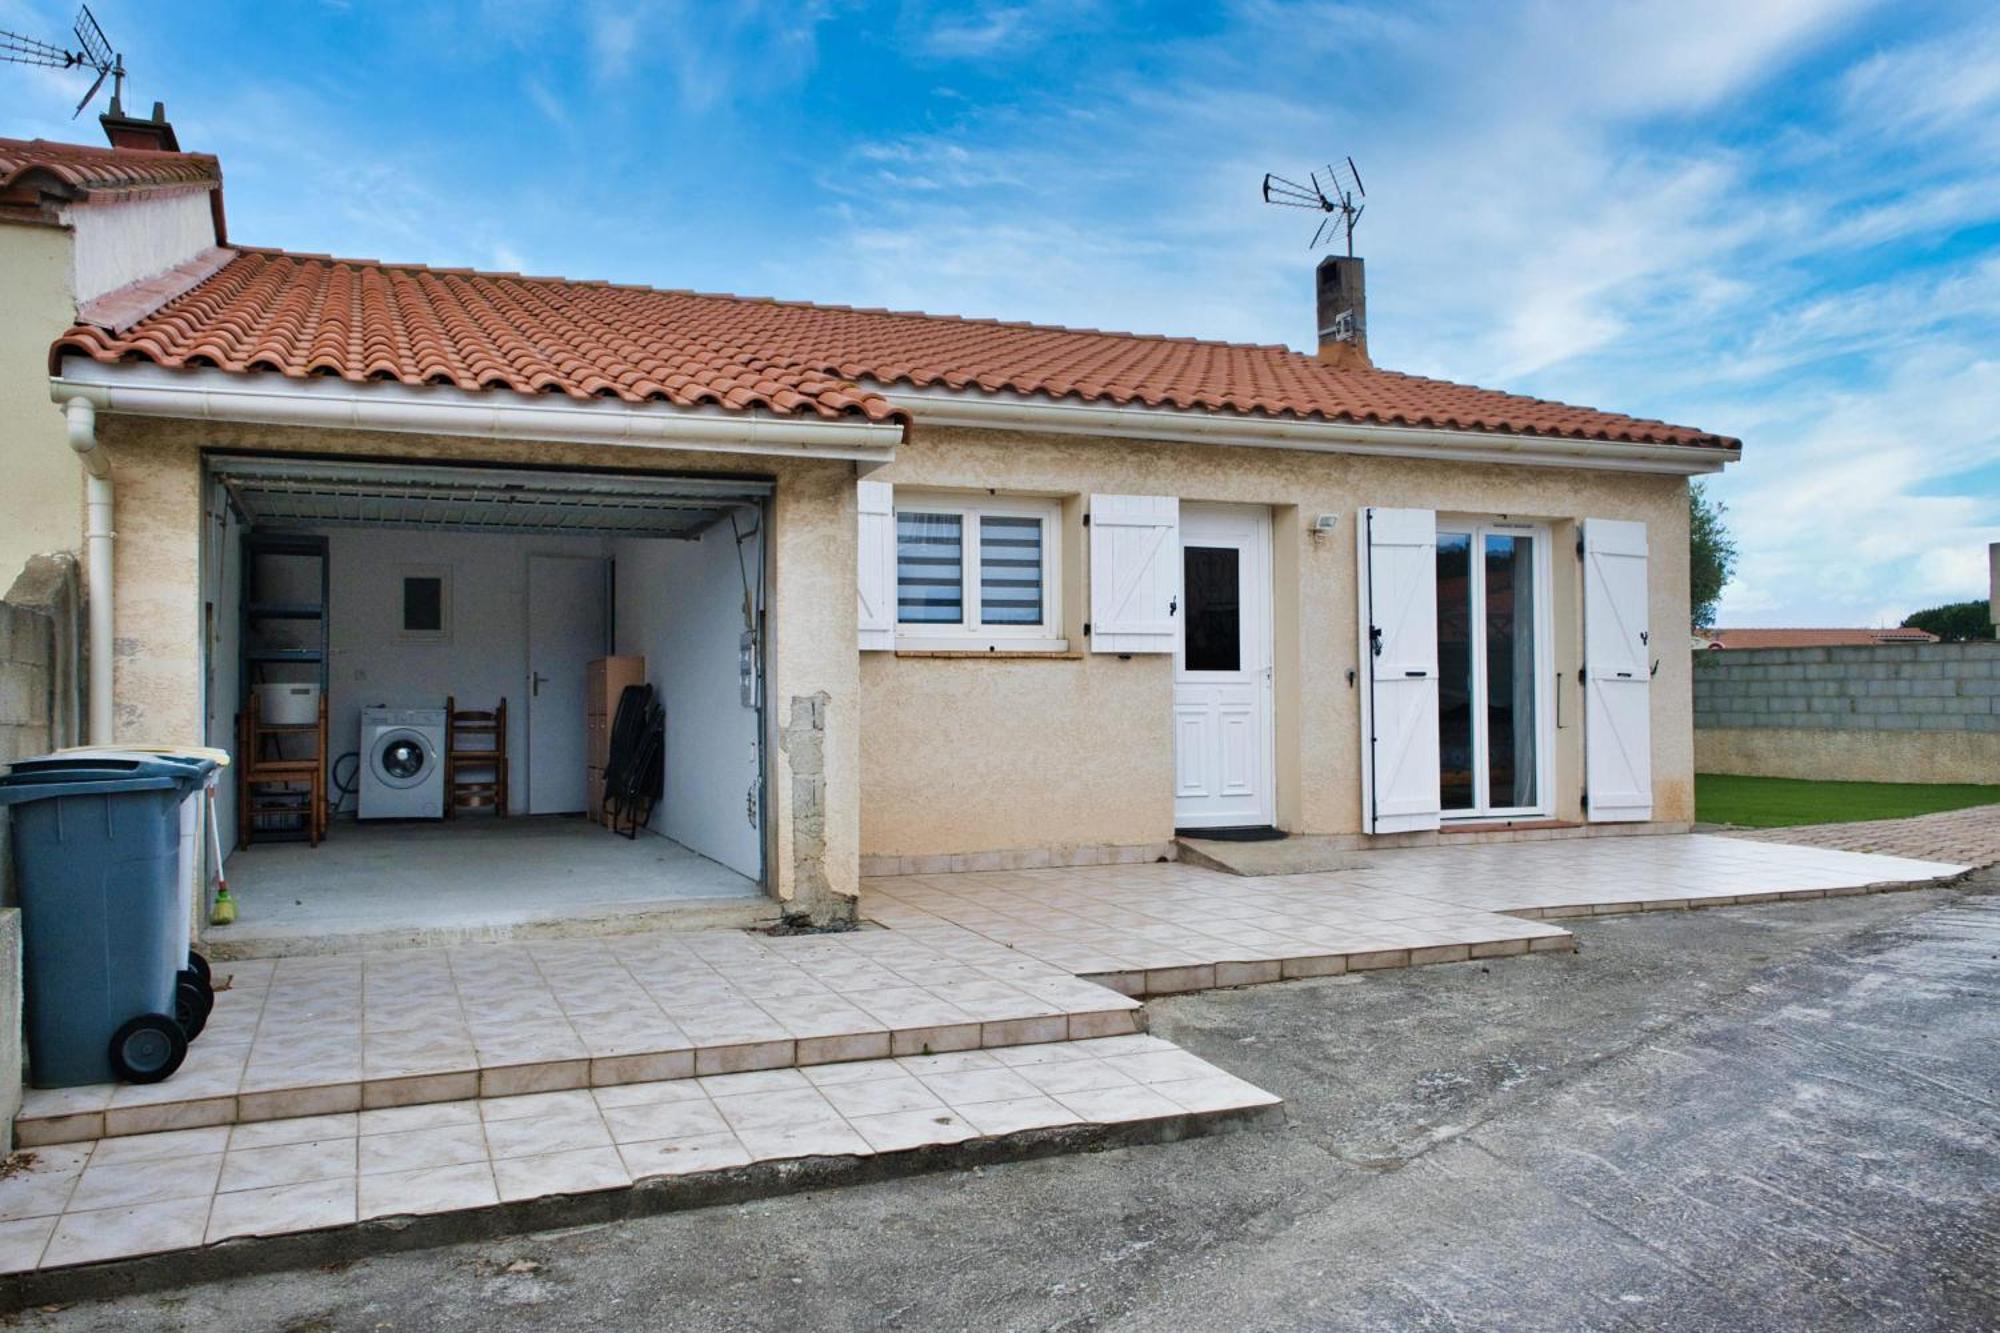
column 1135, row 573
column 875, row 576
column 1400, row 789
column 1617, row 673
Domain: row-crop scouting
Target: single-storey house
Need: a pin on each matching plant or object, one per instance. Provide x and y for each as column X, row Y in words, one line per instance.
column 914, row 592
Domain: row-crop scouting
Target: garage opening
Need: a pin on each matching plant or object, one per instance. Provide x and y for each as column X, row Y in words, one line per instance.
column 468, row 703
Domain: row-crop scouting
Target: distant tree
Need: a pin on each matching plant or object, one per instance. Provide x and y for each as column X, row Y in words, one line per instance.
column 1955, row 622
column 1711, row 554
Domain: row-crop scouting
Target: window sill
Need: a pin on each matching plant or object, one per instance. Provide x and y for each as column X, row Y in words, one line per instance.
column 971, row 647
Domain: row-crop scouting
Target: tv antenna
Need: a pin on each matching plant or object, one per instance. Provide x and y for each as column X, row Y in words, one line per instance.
column 1346, row 189
column 94, row 52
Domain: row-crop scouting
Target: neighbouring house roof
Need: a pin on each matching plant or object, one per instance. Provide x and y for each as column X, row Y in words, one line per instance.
column 81, row 171
column 310, row 315
column 1815, row 638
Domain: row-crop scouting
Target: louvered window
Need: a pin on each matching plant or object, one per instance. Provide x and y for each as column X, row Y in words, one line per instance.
column 975, row 568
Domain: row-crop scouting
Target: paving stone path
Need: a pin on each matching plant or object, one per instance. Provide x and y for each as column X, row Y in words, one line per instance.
column 1969, row 837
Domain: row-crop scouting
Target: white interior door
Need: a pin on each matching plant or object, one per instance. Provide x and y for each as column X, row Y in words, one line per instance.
column 565, row 631
column 1223, row 775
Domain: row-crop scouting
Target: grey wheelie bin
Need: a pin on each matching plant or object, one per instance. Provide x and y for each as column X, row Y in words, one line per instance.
column 194, row 993
column 97, row 859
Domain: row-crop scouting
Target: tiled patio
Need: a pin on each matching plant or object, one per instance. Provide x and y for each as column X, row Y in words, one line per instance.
column 122, row 1198
column 331, row 1090
column 304, row 1036
column 1161, row 928
column 970, row 961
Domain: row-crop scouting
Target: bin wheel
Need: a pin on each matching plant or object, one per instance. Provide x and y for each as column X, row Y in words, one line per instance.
column 148, row 1048
column 198, row 964
column 193, row 1002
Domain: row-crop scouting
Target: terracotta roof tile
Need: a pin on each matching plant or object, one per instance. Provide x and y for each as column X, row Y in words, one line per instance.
column 82, row 169
column 304, row 315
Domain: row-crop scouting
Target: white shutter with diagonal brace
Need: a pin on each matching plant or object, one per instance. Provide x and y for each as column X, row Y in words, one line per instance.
column 1400, row 790
column 1135, row 573
column 875, row 572
column 1617, row 673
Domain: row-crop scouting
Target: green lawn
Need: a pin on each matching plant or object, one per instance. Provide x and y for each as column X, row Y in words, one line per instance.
column 1721, row 798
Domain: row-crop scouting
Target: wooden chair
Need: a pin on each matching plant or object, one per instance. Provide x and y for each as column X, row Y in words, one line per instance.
column 475, row 775
column 267, row 779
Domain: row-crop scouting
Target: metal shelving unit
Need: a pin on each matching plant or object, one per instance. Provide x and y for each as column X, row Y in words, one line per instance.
column 278, row 634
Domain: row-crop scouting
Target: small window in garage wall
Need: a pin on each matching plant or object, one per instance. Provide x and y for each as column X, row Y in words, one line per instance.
column 979, row 569
column 426, row 603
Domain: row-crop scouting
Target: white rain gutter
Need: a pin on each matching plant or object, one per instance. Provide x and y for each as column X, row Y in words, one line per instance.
column 1021, row 412
column 270, row 399
column 81, row 416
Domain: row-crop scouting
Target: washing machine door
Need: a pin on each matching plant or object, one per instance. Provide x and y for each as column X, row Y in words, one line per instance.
column 402, row 758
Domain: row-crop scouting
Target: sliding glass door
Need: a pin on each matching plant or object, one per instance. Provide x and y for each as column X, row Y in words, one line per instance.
column 1492, row 678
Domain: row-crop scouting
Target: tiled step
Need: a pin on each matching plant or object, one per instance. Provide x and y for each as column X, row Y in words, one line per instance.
column 121, row 1198
column 1164, row 929
column 302, row 1036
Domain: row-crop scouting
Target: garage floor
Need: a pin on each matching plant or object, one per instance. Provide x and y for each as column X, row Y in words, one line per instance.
column 380, row 885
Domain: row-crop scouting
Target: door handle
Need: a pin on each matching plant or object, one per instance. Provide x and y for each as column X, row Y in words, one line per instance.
column 535, row 682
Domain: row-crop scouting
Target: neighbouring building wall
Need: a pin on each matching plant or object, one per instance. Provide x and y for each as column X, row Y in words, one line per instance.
column 41, row 503
column 968, row 755
column 120, row 241
column 680, row 605
column 814, row 760
column 40, row 638
column 1923, row 712
column 40, row 647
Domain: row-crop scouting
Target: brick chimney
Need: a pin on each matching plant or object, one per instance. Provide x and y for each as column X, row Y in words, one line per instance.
column 130, row 132
column 1343, row 312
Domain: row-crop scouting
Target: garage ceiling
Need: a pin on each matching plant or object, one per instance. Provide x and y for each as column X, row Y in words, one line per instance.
column 310, row 493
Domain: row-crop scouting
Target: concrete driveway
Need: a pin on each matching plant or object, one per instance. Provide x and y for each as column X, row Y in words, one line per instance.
column 1776, row 1116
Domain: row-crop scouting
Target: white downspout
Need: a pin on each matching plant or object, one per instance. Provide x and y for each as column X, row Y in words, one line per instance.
column 98, row 535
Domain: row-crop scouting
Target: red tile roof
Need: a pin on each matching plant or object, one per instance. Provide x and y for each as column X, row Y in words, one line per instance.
column 1816, row 638
column 302, row 315
column 78, row 169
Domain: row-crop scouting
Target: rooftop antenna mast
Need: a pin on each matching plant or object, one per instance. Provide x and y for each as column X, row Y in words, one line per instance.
column 1345, row 190
column 94, row 52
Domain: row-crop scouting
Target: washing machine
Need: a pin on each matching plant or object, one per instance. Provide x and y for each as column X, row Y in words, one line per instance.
column 402, row 763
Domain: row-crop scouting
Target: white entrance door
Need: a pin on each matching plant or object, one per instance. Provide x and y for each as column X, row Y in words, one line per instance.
column 565, row 631
column 1223, row 774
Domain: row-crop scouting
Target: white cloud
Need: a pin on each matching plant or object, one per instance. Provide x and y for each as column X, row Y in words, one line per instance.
column 1580, row 202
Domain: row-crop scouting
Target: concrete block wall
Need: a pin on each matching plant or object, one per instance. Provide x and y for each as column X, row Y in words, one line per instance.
column 1920, row 712
column 27, row 656
column 40, row 661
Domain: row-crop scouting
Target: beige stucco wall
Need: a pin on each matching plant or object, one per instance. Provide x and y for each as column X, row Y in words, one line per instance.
column 976, row 755
column 41, row 502
column 1849, row 756
column 156, row 469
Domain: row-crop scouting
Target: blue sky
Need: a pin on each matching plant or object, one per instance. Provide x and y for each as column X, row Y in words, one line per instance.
column 1774, row 220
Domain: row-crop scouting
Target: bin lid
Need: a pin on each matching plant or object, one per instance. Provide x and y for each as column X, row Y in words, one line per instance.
column 49, row 777
column 220, row 758
column 198, row 760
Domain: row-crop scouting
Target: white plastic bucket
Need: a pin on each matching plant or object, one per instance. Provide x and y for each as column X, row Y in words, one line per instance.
column 287, row 703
